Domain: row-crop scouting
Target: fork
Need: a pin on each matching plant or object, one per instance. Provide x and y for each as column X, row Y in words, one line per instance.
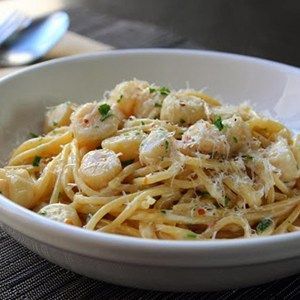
column 12, row 23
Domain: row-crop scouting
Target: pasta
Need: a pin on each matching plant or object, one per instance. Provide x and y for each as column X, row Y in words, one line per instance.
column 153, row 163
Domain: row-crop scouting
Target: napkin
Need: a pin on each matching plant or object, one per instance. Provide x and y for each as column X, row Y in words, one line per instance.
column 71, row 44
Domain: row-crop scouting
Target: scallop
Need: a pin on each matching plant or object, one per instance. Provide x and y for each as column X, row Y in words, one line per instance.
column 93, row 122
column 156, row 147
column 58, row 116
column 128, row 94
column 20, row 187
column 282, row 157
column 62, row 213
column 205, row 138
column 127, row 144
column 99, row 167
column 182, row 109
column 238, row 134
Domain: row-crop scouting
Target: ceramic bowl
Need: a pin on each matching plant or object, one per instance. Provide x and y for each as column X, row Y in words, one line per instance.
column 151, row 264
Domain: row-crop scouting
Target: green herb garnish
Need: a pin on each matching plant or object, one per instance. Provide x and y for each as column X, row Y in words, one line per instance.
column 33, row 135
column 54, row 124
column 163, row 212
column 164, row 91
column 42, row 213
column 167, row 144
column 191, row 235
column 218, row 123
column 157, row 105
column 142, row 122
column 36, row 161
column 235, row 139
column 104, row 110
column 247, row 157
column 263, row 225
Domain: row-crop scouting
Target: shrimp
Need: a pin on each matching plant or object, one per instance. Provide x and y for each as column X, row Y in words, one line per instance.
column 127, row 144
column 156, row 147
column 93, row 122
column 98, row 167
column 205, row 138
column 17, row 185
column 62, row 213
column 183, row 109
column 58, row 116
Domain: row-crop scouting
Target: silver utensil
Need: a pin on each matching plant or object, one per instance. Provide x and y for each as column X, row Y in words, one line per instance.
column 12, row 23
column 35, row 41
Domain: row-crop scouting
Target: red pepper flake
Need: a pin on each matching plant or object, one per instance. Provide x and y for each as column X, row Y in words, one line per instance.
column 201, row 211
column 187, row 138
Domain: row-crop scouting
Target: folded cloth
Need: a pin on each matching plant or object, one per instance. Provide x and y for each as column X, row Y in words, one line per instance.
column 71, row 44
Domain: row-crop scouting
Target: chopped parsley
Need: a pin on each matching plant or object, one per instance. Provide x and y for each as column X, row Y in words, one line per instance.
column 119, row 100
column 247, row 157
column 163, row 212
column 152, row 90
column 157, row 105
column 36, row 161
column 33, row 135
column 128, row 162
column 54, row 124
column 164, row 91
column 105, row 112
column 235, row 139
column 42, row 213
column 218, row 123
column 191, row 235
column 263, row 225
column 142, row 122
column 167, row 144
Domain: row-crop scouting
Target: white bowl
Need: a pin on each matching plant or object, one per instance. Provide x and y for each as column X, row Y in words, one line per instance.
column 151, row 264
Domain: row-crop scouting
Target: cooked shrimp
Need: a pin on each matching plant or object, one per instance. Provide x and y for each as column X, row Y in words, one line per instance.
column 98, row 167
column 127, row 144
column 93, row 122
column 205, row 138
column 61, row 213
column 183, row 109
column 17, row 185
column 156, row 146
column 58, row 116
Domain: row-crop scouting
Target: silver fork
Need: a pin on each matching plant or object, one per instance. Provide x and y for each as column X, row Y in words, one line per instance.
column 12, row 23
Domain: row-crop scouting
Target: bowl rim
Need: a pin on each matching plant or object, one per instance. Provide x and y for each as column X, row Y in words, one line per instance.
column 36, row 223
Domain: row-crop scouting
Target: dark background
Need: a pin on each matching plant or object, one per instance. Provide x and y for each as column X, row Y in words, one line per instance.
column 263, row 28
